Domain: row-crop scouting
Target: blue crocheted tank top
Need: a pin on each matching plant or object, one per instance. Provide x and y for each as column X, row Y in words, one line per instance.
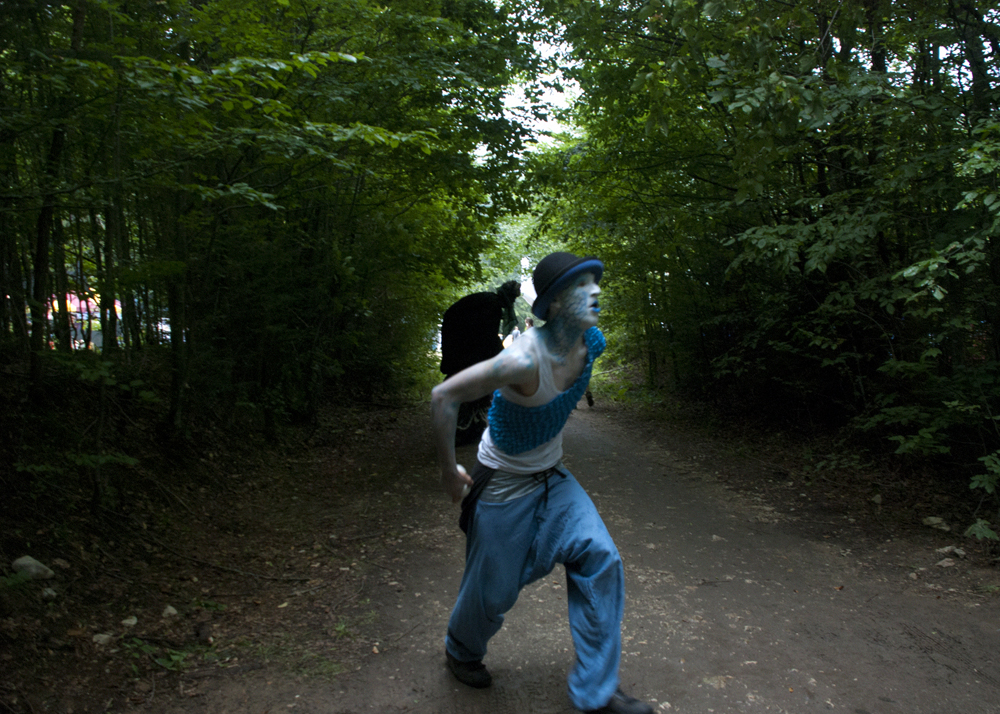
column 517, row 429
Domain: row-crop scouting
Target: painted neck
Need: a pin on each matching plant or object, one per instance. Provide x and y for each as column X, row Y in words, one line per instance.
column 562, row 335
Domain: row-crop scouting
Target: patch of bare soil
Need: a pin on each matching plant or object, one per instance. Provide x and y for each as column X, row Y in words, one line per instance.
column 279, row 560
column 815, row 490
column 262, row 565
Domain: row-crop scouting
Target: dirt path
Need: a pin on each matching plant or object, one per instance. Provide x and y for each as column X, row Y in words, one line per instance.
column 323, row 582
column 729, row 609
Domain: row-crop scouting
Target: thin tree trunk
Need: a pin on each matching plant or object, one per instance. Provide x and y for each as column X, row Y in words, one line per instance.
column 95, row 243
column 11, row 283
column 43, row 235
column 968, row 25
column 148, row 319
column 63, row 339
column 43, row 232
column 11, row 286
column 82, row 331
column 173, row 247
column 109, row 315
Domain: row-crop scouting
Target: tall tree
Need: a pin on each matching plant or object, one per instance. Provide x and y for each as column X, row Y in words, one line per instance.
column 296, row 182
column 799, row 201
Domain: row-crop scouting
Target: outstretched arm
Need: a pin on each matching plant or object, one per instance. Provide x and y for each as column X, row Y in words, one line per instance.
column 512, row 366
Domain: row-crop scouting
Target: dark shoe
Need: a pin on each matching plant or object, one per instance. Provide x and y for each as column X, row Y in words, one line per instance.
column 621, row 703
column 590, row 399
column 473, row 674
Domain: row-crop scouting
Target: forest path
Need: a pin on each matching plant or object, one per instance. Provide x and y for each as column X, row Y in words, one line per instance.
column 731, row 607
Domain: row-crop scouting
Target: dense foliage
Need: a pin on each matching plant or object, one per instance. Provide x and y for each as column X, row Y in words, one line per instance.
column 280, row 190
column 248, row 202
column 798, row 204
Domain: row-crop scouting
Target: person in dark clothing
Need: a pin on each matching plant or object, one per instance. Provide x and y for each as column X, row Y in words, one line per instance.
column 471, row 332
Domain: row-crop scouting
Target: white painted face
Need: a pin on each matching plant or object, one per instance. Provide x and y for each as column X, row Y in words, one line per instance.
column 578, row 301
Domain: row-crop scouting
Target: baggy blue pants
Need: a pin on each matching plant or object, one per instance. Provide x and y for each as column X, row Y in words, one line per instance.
column 515, row 543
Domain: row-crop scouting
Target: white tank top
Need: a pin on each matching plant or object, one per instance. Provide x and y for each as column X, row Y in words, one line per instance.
column 541, row 457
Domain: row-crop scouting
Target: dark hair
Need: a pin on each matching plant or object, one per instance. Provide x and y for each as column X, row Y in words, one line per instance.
column 509, row 291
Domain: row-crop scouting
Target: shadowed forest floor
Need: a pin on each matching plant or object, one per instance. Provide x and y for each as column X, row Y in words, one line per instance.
column 319, row 576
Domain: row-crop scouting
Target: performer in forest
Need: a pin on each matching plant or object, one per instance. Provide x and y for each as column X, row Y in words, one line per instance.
column 469, row 334
column 523, row 512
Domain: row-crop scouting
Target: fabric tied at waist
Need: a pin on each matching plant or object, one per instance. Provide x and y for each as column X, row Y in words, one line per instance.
column 481, row 477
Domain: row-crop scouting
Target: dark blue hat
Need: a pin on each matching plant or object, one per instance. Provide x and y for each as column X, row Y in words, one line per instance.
column 557, row 270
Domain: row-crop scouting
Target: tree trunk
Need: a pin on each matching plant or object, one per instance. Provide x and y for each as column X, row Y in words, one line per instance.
column 12, row 303
column 11, row 283
column 173, row 247
column 95, row 243
column 109, row 315
column 43, row 234
column 968, row 25
column 877, row 36
column 64, row 340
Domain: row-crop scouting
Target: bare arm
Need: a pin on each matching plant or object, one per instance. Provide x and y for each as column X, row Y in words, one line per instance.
column 514, row 365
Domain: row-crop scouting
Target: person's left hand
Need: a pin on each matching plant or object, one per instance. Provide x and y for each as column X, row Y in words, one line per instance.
column 457, row 483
